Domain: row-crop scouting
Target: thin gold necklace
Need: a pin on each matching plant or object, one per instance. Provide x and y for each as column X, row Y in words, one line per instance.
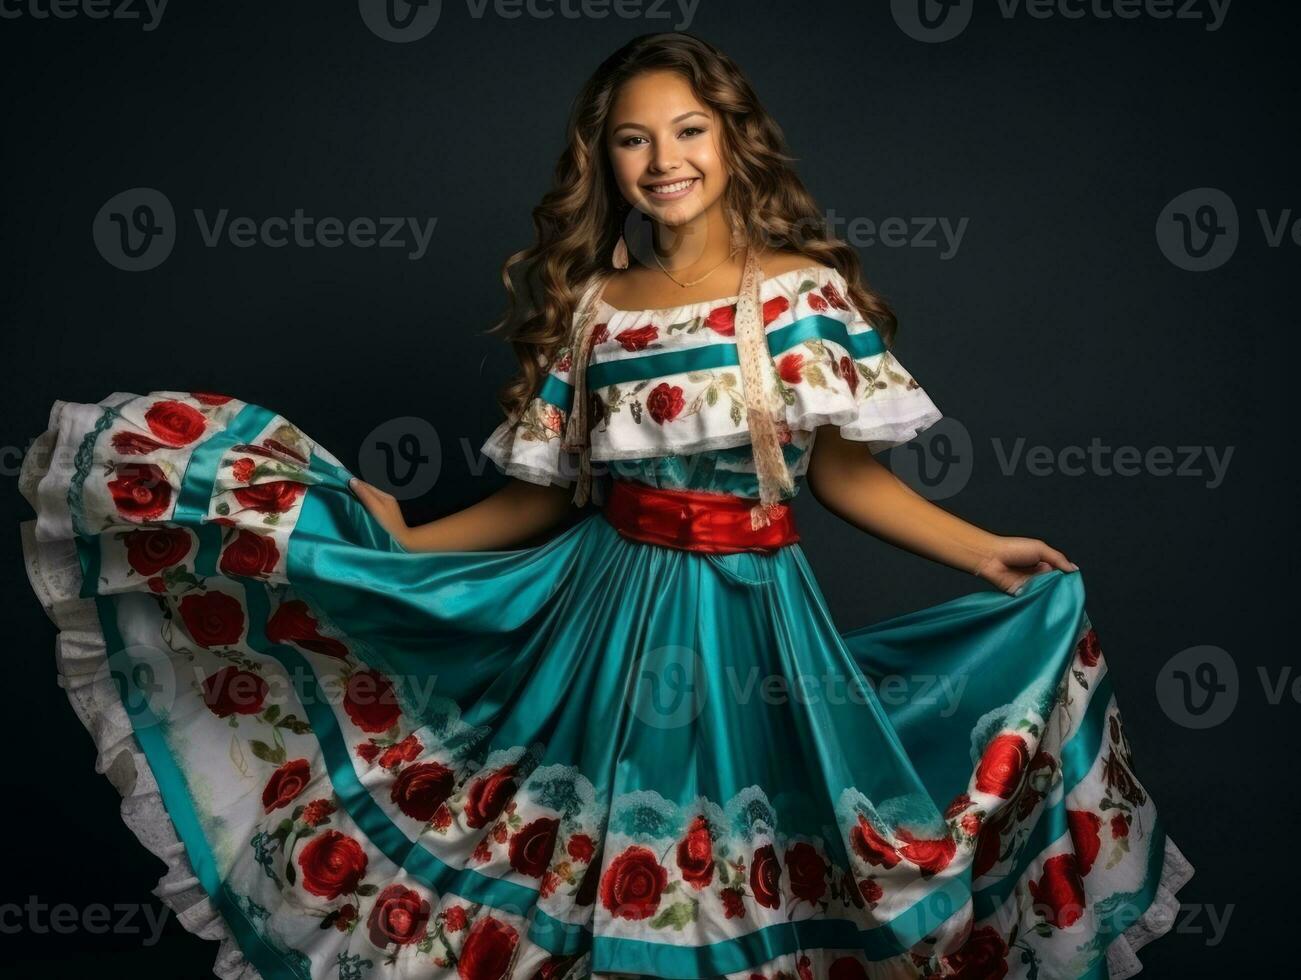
column 693, row 282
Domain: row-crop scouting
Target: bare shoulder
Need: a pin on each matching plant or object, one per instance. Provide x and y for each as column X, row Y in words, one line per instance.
column 775, row 263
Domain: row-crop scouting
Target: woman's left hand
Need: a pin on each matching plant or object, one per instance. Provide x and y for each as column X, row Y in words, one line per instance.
column 1012, row 561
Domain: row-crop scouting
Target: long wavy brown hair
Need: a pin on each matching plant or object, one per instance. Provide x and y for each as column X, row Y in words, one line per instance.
column 579, row 220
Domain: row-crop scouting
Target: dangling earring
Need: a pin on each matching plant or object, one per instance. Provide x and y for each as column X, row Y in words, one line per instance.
column 620, row 257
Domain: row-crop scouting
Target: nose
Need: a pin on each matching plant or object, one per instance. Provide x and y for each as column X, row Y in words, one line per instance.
column 665, row 159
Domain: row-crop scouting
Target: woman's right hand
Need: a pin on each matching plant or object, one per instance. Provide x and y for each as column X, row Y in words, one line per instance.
column 383, row 506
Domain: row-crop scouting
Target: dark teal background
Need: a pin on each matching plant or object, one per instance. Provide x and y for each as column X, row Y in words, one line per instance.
column 1057, row 321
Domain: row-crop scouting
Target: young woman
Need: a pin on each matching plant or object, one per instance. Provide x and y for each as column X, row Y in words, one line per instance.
column 370, row 750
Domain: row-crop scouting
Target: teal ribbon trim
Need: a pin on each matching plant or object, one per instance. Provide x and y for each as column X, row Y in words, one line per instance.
column 175, row 791
column 557, row 392
column 742, row 953
column 866, row 343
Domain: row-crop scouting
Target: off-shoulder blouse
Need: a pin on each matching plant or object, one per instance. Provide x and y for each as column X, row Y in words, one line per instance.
column 666, row 401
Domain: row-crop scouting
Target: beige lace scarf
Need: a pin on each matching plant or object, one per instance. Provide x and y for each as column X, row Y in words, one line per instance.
column 765, row 408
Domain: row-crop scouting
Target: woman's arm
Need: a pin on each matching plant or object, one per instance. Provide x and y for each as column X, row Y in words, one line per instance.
column 848, row 480
column 503, row 519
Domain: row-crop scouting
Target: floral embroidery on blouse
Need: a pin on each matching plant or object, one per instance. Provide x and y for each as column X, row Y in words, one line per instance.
column 667, row 382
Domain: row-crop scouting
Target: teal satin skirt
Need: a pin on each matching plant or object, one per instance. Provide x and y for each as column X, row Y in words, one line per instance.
column 592, row 756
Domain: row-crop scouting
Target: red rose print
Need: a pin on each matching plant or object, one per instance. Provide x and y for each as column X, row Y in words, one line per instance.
column 833, row 296
column 405, row 751
column 275, row 497
column 774, row 308
column 208, row 398
column 370, row 701
column 988, row 847
column 733, row 903
column 399, row 916
column 134, row 443
column 442, row 818
column 1084, row 827
column 959, row 803
column 420, row 789
column 982, row 957
column 454, row 919
column 1059, row 893
column 931, row 856
column 488, row 795
column 250, row 555
column 367, row 751
column 1000, row 768
column 279, row 447
column 333, row 864
column 150, row 551
column 175, row 423
column 564, row 364
column 871, row 846
column 816, row 303
column 722, row 320
column 846, row 968
column 317, row 812
column 140, row 491
column 231, row 691
column 553, row 419
column 970, row 824
column 581, row 848
column 765, row 877
column 553, row 967
column 292, row 622
column 532, row 844
column 1119, row 826
column 696, row 854
column 638, row 338
column 871, row 889
column 242, row 469
column 808, row 872
column 664, row 402
column 633, row 883
column 849, row 371
column 600, row 334
column 791, row 368
column 804, row 967
column 1089, row 649
column 157, row 584
column 488, row 950
column 213, row 619
column 346, row 917
column 285, row 784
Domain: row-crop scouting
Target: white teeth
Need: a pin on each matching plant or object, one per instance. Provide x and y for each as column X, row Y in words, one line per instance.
column 681, row 185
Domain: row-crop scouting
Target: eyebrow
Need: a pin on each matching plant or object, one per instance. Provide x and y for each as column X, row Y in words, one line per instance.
column 676, row 119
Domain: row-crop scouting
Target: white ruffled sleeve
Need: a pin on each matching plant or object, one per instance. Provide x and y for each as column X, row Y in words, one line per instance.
column 846, row 376
column 530, row 449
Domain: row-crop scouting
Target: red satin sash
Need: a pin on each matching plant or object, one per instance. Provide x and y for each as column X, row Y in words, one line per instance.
column 694, row 520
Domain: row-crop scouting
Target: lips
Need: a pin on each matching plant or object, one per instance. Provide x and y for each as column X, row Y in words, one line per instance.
column 671, row 189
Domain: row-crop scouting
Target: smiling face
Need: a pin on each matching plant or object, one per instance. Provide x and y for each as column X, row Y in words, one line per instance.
column 665, row 148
